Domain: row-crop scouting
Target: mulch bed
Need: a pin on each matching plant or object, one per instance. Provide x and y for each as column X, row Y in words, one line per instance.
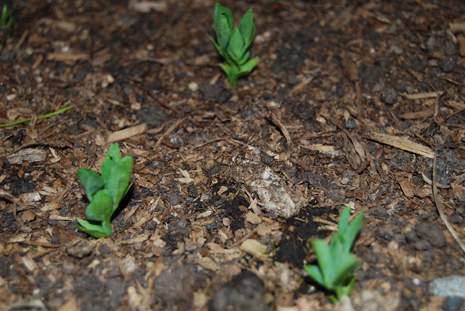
column 350, row 103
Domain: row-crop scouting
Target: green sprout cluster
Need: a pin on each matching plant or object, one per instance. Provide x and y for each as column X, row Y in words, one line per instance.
column 105, row 191
column 336, row 264
column 233, row 43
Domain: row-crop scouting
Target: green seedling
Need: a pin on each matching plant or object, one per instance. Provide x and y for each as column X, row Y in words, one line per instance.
column 336, row 263
column 234, row 43
column 105, row 191
column 6, row 19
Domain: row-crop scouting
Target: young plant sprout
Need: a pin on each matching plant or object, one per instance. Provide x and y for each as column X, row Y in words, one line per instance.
column 336, row 263
column 6, row 19
column 105, row 191
column 234, row 43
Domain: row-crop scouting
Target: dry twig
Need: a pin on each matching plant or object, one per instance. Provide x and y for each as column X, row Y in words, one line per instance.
column 440, row 207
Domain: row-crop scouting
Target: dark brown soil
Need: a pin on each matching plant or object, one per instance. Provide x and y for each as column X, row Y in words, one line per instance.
column 332, row 76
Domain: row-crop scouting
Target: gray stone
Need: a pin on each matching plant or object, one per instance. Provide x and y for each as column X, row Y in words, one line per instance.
column 215, row 92
column 448, row 64
column 350, row 123
column 80, row 249
column 245, row 292
column 431, row 233
column 154, row 116
column 453, row 303
column 453, row 285
column 176, row 285
column 389, row 96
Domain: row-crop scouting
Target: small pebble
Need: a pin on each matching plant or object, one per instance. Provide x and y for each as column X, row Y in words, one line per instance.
column 448, row 64
column 389, row 96
column 422, row 246
column 431, row 233
column 350, row 124
column 80, row 250
column 193, row 86
column 452, row 303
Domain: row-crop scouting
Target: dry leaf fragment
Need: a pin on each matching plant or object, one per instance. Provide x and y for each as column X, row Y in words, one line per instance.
column 422, row 95
column 61, row 218
column 147, row 6
column 27, row 304
column 67, row 57
column 208, row 263
column 28, row 216
column 70, row 305
column 29, row 198
column 29, row 263
column 279, row 124
column 200, row 299
column 403, row 143
column 6, row 196
column 254, row 248
column 253, row 218
column 458, row 190
column 408, row 188
column 186, row 177
column 417, row 114
column 127, row 133
column 137, row 240
column 80, row 249
column 66, row 26
column 325, row 149
column 127, row 266
column 135, row 299
column 457, row 27
column 31, row 155
column 354, row 152
column 299, row 88
column 461, row 41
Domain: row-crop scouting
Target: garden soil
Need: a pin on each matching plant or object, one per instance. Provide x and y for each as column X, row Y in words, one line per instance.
column 352, row 103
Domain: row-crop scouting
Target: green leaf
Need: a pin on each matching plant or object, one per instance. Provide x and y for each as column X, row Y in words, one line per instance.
column 244, row 59
column 348, row 231
column 236, row 46
column 113, row 154
column 223, row 24
column 97, row 231
column 116, row 173
column 352, row 231
column 218, row 48
column 221, row 12
column 346, row 290
column 101, row 207
column 120, row 179
column 249, row 66
column 91, row 181
column 247, row 28
column 5, row 18
column 325, row 261
column 344, row 219
column 344, row 269
column 315, row 273
column 232, row 74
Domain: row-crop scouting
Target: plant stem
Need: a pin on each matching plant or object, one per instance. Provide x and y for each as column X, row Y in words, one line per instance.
column 55, row 113
column 107, row 227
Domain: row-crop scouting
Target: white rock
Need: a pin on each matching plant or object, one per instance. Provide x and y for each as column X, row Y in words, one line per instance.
column 276, row 198
column 453, row 285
